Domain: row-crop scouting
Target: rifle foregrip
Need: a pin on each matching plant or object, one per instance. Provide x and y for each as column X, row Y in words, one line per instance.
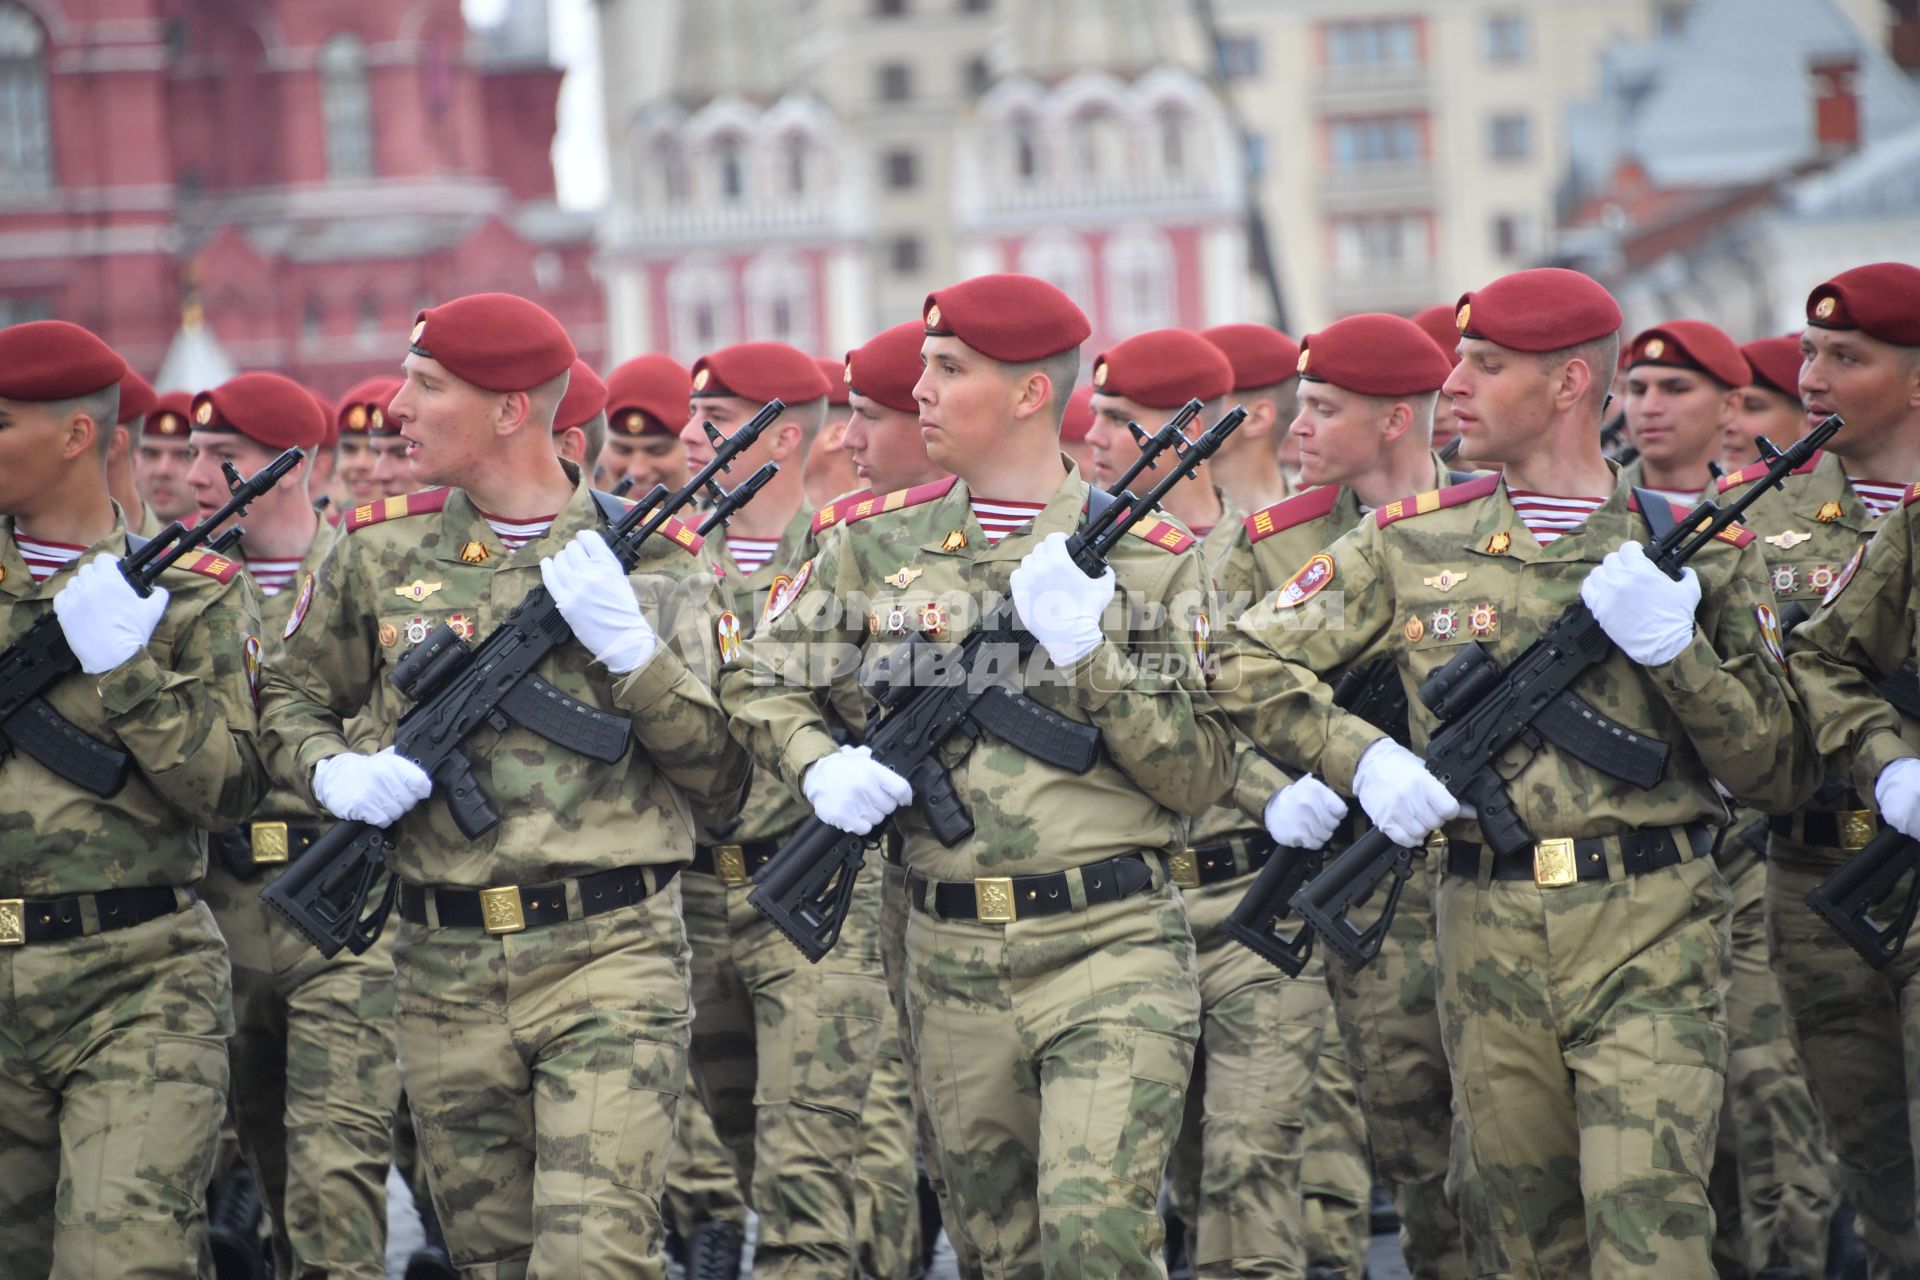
column 938, row 802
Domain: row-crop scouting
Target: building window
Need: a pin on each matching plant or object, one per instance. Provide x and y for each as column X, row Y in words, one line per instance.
column 889, row 8
column 977, row 76
column 1508, row 137
column 1062, row 260
column 902, row 170
column 367, row 326
column 346, row 106
column 1377, row 44
column 730, row 169
column 1512, row 235
column 669, row 170
column 1359, row 141
column 1026, row 152
column 1372, row 246
column 904, row 254
column 26, row 141
column 1170, row 124
column 1239, row 57
column 779, row 300
column 1099, row 147
column 1503, row 38
column 895, row 81
column 20, row 309
column 699, row 307
column 1139, row 275
column 312, row 317
column 794, row 154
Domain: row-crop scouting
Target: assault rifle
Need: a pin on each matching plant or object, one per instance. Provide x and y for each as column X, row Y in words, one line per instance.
column 929, row 690
column 1484, row 709
column 41, row 658
column 456, row 688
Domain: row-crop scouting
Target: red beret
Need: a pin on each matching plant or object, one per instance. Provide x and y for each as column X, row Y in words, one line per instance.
column 1436, row 322
column 1374, row 355
column 835, row 372
column 1881, row 300
column 1691, row 344
column 1078, row 419
column 1163, row 369
column 1541, row 309
column 265, row 408
column 363, row 410
column 137, row 397
column 171, row 415
column 1261, row 356
column 760, row 371
column 46, row 360
column 648, row 394
column 496, row 341
column 1776, row 364
column 585, row 400
column 1011, row 318
column 327, row 416
column 887, row 367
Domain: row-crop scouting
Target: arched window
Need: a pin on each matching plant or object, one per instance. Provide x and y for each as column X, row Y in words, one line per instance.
column 780, row 302
column 730, row 168
column 794, row 163
column 1099, row 149
column 1139, row 274
column 346, row 108
column 26, row 142
column 1026, row 150
column 700, row 307
column 663, row 180
column 1170, row 124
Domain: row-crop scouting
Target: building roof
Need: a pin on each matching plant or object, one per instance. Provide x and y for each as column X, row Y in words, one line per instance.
column 1884, row 179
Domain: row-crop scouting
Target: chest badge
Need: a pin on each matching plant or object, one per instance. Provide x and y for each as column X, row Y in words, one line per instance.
column 1415, row 629
column 1497, row 545
column 1828, row 512
column 1484, row 620
column 904, row 578
column 417, row 629
column 389, row 634
column 417, row 590
column 1445, row 624
column 474, row 553
column 1446, row 579
column 1787, row 540
column 955, row 541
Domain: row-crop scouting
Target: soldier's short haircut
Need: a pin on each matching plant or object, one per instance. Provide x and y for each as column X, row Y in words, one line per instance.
column 1286, row 406
column 103, row 406
column 1420, row 405
column 594, row 429
column 544, row 400
column 1062, row 370
column 809, row 416
column 1602, row 356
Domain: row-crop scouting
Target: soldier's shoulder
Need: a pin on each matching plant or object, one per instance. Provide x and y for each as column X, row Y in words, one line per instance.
column 831, row 512
column 1754, row 470
column 1734, row 535
column 1291, row 513
column 420, row 503
column 1163, row 535
column 1455, row 495
column 207, row 565
column 1913, row 496
column 865, row 505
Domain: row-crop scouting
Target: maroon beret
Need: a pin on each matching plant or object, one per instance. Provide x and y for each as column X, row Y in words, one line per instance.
column 327, row 416
column 137, row 397
column 1436, row 322
column 1078, row 418
column 760, row 371
column 265, row 408
column 585, row 400
column 1163, row 369
column 1261, row 356
column 171, row 416
column 363, row 410
column 1881, row 300
column 1540, row 309
column 886, row 369
column 1374, row 355
column 496, row 341
column 46, row 360
column 1691, row 344
column 648, row 394
column 1776, row 364
column 1011, row 318
column 835, row 372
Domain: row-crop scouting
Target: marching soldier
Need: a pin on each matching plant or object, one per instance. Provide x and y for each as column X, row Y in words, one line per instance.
column 1247, row 468
column 361, row 418
column 542, row 995
column 1769, row 405
column 137, row 400
column 1050, row 973
column 829, row 469
column 580, row 423
column 161, row 459
column 1582, row 982
column 1683, row 388
column 646, row 407
column 113, row 1058
column 1436, row 322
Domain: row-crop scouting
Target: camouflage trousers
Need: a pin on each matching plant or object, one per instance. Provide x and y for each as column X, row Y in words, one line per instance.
column 113, row 1079
column 1857, row 1030
column 886, row 1193
column 1335, row 1182
column 1586, row 1034
column 1056, row 1053
column 783, row 1055
column 1236, row 1167
column 701, row 1183
column 315, row 1084
column 544, row 1070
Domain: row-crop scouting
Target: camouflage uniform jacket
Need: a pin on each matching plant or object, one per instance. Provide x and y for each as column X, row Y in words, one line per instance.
column 410, row 563
column 282, row 802
column 925, row 565
column 1809, row 527
column 1283, row 535
column 183, row 708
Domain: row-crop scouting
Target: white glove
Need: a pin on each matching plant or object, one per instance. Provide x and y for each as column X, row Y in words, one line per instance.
column 103, row 617
column 1303, row 814
column 597, row 601
column 377, row 789
column 1897, row 792
column 1646, row 613
column 852, row 791
column 1402, row 799
column 1058, row 603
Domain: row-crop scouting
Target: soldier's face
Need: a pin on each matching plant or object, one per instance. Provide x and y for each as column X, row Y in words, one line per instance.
column 1341, row 433
column 886, row 447
column 780, row 442
column 1874, row 385
column 1674, row 416
column 160, row 474
column 1759, row 411
column 446, row 423
column 968, row 402
column 654, row 458
column 1113, row 447
column 1501, row 400
column 354, row 465
column 829, row 469
column 209, row 485
column 391, row 474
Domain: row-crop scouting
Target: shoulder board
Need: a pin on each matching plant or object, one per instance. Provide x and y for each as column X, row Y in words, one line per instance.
column 208, row 565
column 408, row 504
column 1290, row 512
column 1437, row 499
column 1913, row 496
column 1754, row 470
column 1737, row 535
column 858, row 507
column 1164, row 534
column 681, row 534
column 833, row 512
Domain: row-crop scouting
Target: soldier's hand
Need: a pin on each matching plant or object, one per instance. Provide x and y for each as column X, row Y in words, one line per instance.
column 1304, row 814
column 377, row 789
column 1646, row 613
column 1897, row 792
column 104, row 619
column 597, row 601
column 1058, row 603
column 852, row 791
column 1403, row 800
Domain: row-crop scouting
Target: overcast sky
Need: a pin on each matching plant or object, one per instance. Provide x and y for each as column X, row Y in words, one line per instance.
column 579, row 151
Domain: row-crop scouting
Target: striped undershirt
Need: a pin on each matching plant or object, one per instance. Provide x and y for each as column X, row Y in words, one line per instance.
column 44, row 559
column 1878, row 496
column 273, row 576
column 752, row 554
column 515, row 534
column 998, row 519
column 1547, row 516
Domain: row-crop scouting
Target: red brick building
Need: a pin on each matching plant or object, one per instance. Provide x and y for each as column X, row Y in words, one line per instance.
column 315, row 173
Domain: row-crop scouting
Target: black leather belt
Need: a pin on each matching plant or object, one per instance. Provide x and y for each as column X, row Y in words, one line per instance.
column 1004, row 899
column 514, row 907
column 24, row 920
column 247, row 848
column 1236, row 856
column 1828, row 828
column 1551, row 863
column 733, row 864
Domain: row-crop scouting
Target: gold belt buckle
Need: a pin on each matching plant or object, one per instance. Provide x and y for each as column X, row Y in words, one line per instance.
column 1183, row 868
column 500, row 910
column 1858, row 828
column 1553, row 866
column 993, row 900
column 269, row 843
column 730, row 864
column 13, row 922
